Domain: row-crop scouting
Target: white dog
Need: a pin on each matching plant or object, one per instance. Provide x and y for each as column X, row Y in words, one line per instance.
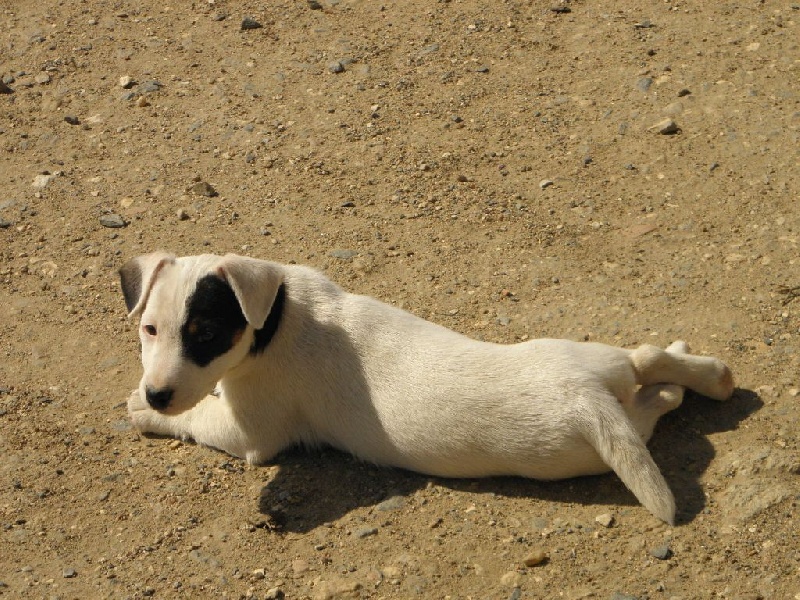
column 299, row 360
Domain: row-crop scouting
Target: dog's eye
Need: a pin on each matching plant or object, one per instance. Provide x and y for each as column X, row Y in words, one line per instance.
column 150, row 330
column 205, row 335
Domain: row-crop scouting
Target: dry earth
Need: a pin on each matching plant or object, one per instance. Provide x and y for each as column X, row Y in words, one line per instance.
column 491, row 166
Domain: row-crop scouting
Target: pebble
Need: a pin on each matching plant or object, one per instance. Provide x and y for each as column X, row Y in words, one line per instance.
column 141, row 102
column 69, row 573
column 148, row 87
column 42, row 78
column 343, row 254
column 336, row 66
column 249, row 23
column 644, row 83
column 365, row 532
column 393, row 503
column 182, row 214
column 113, row 221
column 546, row 183
column 314, row 5
column 126, row 82
column 4, row 89
column 4, row 224
column 661, row 552
column 203, row 188
column 684, row 92
column 274, row 594
column 606, row 519
column 665, row 127
column 40, row 181
column 72, row 120
column 535, row 557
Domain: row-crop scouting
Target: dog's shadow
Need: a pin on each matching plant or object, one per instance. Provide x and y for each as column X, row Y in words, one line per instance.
column 312, row 488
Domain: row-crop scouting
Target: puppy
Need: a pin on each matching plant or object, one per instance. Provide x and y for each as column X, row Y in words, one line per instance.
column 297, row 360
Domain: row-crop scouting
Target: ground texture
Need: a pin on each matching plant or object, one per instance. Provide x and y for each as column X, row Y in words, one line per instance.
column 619, row 171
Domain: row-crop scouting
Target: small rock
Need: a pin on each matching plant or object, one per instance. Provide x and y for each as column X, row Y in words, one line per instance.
column 40, row 181
column 336, row 66
column 606, row 519
column 126, row 82
column 561, row 10
column 661, row 552
column 202, row 188
column 665, row 127
column 644, row 83
column 148, row 87
column 113, row 221
column 259, row 573
column 274, row 594
column 343, row 254
column 365, row 532
column 393, row 503
column 536, row 557
column 249, row 23
column 69, row 573
column 683, row 92
column 42, row 78
column 141, row 102
column 72, row 120
column 314, row 5
column 182, row 214
column 587, row 160
column 546, row 183
column 482, row 69
column 4, row 89
column 4, row 224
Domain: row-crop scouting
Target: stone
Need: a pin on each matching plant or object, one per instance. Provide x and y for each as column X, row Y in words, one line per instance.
column 69, row 573
column 202, row 188
column 40, row 181
column 336, row 66
column 182, row 214
column 4, row 224
column 314, row 5
column 511, row 579
column 274, row 594
column 545, row 183
column 4, row 89
column 392, row 503
column 535, row 557
column 365, row 532
column 661, row 552
column 665, row 127
column 126, row 82
column 343, row 254
column 148, row 87
column 72, row 120
column 248, row 24
column 42, row 78
column 113, row 221
column 644, row 83
column 605, row 520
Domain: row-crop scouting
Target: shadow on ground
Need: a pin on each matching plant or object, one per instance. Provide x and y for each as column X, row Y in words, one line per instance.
column 316, row 487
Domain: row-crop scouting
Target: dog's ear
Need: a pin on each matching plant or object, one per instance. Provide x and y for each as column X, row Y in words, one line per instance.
column 137, row 277
column 255, row 283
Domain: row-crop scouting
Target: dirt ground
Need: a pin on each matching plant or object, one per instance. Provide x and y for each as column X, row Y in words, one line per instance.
column 500, row 168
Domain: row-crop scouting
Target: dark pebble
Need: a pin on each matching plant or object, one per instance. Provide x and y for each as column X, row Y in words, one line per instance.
column 661, row 552
column 314, row 5
column 4, row 224
column 684, row 92
column 114, row 221
column 69, row 573
column 561, row 10
column 202, row 188
column 336, row 67
column 248, row 24
column 72, row 120
column 4, row 89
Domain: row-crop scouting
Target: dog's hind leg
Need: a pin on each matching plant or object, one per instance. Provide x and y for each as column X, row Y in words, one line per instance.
column 619, row 443
column 704, row 374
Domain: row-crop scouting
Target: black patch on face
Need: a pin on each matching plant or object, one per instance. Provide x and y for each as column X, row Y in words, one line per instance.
column 264, row 335
column 214, row 321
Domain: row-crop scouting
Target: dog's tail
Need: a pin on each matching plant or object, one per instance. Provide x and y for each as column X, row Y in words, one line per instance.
column 620, row 446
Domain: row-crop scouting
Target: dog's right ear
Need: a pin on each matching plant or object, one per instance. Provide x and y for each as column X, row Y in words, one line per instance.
column 137, row 277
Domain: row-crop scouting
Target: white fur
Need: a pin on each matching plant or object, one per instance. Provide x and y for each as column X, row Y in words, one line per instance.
column 391, row 388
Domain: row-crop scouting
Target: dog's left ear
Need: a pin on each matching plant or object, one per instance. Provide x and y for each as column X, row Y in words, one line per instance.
column 255, row 283
column 137, row 276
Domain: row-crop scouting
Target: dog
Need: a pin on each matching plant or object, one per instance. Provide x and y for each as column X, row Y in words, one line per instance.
column 250, row 357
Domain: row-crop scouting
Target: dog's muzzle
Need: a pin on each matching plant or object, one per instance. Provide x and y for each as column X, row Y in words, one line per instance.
column 158, row 399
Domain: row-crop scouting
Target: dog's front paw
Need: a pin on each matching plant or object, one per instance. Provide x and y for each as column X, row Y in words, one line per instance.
column 140, row 412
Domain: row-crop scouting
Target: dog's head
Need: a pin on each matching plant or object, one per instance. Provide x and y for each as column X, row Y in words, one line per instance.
column 200, row 317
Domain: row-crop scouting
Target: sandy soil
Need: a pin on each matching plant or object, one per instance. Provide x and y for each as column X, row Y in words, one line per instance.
column 495, row 167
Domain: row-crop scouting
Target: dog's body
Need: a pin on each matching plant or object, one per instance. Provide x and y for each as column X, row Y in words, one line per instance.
column 299, row 360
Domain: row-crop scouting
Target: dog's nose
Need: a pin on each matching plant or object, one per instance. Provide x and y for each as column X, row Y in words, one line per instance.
column 158, row 399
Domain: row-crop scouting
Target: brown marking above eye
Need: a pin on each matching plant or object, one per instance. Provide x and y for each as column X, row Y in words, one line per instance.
column 192, row 326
